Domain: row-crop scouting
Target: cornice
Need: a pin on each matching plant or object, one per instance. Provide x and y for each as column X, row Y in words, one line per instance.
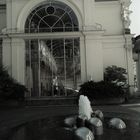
column 106, row 3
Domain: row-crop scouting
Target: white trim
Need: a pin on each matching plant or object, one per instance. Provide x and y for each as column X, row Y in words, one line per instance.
column 107, row 3
column 116, row 38
column 43, row 35
column 32, row 4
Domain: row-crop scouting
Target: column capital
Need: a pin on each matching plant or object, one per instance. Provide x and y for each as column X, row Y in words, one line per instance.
column 93, row 34
column 94, row 27
column 6, row 40
column 18, row 42
column 128, row 42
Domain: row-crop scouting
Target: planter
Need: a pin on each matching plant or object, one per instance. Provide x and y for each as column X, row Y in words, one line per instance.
column 108, row 101
column 51, row 101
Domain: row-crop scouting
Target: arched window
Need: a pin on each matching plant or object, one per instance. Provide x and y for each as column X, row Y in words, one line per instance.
column 52, row 64
column 51, row 17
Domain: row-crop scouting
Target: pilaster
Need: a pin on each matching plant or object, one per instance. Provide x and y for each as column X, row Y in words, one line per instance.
column 94, row 55
column 6, row 54
column 18, row 59
column 89, row 10
column 9, row 14
column 83, row 59
column 130, row 61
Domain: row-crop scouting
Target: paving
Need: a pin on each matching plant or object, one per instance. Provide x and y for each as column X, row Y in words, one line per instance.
column 11, row 117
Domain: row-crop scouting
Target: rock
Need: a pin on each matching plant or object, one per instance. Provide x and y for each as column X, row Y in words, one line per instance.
column 70, row 122
column 83, row 133
column 99, row 114
column 117, row 123
column 95, row 125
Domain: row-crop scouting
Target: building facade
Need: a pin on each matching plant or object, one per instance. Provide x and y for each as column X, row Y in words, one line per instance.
column 55, row 45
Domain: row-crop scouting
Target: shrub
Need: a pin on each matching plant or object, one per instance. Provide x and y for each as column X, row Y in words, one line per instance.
column 114, row 85
column 10, row 88
column 116, row 75
column 101, row 90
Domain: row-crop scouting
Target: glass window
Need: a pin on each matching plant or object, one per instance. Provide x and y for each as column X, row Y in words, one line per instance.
column 52, row 17
column 52, row 65
column 52, row 60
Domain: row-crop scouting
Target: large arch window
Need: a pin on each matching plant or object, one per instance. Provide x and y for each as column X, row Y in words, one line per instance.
column 52, row 64
column 51, row 17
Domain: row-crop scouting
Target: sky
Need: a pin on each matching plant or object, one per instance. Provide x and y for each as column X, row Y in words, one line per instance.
column 135, row 17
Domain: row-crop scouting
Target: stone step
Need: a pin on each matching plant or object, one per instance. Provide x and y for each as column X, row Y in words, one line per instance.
column 51, row 101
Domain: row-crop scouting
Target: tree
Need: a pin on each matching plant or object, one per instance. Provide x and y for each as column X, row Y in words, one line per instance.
column 116, row 75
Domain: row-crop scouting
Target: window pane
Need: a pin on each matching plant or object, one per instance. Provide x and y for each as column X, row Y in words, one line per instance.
column 51, row 64
column 52, row 17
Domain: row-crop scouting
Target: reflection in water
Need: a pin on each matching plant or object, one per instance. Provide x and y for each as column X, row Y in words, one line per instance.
column 52, row 129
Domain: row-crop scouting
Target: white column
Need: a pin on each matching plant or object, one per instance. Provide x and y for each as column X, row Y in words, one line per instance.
column 94, row 56
column 9, row 13
column 138, row 73
column 18, row 60
column 6, row 54
column 130, row 70
column 130, row 63
column 83, row 59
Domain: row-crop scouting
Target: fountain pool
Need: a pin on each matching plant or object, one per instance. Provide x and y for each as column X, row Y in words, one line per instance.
column 51, row 128
column 55, row 128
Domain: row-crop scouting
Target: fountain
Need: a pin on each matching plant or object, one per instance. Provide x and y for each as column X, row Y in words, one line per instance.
column 85, row 107
column 84, row 124
column 89, row 123
column 88, row 118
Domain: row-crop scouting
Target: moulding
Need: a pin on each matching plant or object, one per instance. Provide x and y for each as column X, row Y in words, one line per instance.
column 106, row 3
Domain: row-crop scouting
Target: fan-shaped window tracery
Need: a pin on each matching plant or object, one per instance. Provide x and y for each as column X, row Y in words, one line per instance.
column 51, row 17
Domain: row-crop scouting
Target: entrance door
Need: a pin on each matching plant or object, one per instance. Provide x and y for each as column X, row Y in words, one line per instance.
column 52, row 66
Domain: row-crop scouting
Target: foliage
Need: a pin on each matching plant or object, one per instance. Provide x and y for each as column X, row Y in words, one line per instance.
column 114, row 85
column 116, row 75
column 10, row 88
column 101, row 90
